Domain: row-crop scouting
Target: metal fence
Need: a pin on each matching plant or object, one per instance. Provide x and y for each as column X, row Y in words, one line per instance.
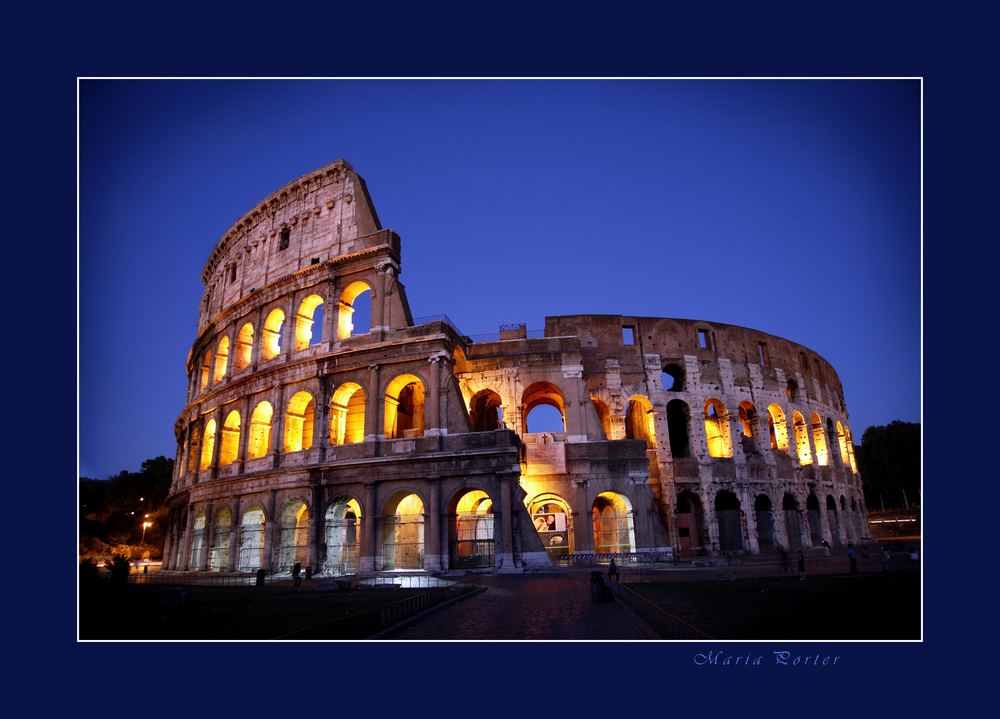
column 621, row 558
column 665, row 624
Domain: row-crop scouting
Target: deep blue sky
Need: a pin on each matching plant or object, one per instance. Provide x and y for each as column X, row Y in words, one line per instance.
column 787, row 206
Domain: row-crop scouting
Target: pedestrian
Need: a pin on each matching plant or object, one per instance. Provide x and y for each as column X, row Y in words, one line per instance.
column 296, row 571
column 802, row 566
column 786, row 563
column 864, row 551
column 852, row 557
column 677, row 556
column 886, row 558
column 826, row 547
column 613, row 570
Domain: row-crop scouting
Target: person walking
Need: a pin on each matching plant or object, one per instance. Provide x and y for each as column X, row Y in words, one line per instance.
column 852, row 557
column 296, row 570
column 802, row 566
column 786, row 563
column 886, row 559
column 613, row 570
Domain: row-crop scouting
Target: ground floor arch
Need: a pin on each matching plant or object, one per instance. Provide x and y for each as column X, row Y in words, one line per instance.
column 403, row 533
column 815, row 519
column 198, row 541
column 221, row 538
column 766, row 539
column 613, row 523
column 342, row 528
column 690, row 522
column 727, row 516
column 793, row 524
column 252, row 539
column 293, row 547
column 470, row 533
column 553, row 521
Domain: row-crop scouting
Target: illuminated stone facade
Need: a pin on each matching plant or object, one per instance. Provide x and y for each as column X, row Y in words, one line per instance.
column 404, row 446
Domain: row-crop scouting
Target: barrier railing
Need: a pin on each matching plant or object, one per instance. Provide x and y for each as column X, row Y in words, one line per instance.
column 665, row 624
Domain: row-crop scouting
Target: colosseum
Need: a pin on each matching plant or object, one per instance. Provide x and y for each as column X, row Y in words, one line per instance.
column 402, row 445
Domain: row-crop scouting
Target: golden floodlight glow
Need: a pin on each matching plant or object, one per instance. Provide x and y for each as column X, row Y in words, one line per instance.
column 260, row 431
column 299, row 420
column 271, row 336
column 347, row 414
column 801, row 438
column 230, row 439
column 304, row 319
column 244, row 347
column 208, row 446
column 221, row 360
column 777, row 427
column 845, row 456
column 819, row 440
column 345, row 326
column 639, row 420
column 404, row 407
column 717, row 429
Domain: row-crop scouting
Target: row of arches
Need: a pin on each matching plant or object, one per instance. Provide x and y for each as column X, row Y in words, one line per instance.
column 353, row 317
column 842, row 522
column 404, row 417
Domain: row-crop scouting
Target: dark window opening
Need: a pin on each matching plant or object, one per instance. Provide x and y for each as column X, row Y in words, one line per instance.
column 283, row 239
column 673, row 378
column 704, row 341
column 762, row 353
column 314, row 261
column 232, row 274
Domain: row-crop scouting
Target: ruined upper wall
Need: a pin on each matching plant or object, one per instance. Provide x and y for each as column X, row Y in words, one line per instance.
column 324, row 214
column 601, row 338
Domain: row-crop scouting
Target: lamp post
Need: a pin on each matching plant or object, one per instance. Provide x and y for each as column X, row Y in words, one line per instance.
column 145, row 526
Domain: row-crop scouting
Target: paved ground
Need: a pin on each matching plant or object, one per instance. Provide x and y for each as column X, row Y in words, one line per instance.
column 528, row 606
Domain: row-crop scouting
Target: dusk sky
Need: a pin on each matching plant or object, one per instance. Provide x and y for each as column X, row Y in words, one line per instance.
column 792, row 207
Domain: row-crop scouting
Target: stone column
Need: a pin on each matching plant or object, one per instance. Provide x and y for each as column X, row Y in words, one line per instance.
column 213, row 470
column 288, row 331
column 433, row 426
column 750, row 516
column 322, row 432
column 735, row 438
column 241, row 452
column 278, row 426
column 504, row 541
column 258, row 340
column 185, row 559
column 232, row 562
column 373, row 411
column 168, row 542
column 331, row 312
column 382, row 268
column 231, row 360
column 368, row 529
column 317, row 525
column 206, row 542
column 272, row 522
column 434, row 558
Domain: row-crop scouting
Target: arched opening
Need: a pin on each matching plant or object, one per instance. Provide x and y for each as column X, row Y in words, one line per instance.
column 470, row 535
column 614, row 531
column 792, row 390
column 219, row 559
column 672, row 378
column 815, row 520
column 793, row 526
column 765, row 523
column 748, row 427
column 639, row 421
column 252, row 539
column 819, row 440
column 678, row 420
column 831, row 433
column 461, row 364
column 801, row 439
column 717, row 429
column 197, row 542
column 343, row 537
column 850, row 450
column 689, row 522
column 603, row 415
column 543, row 408
column 832, row 518
column 208, row 446
column 845, row 457
column 244, row 348
column 194, row 451
column 553, row 522
column 485, row 411
column 230, row 448
column 403, row 533
column 271, row 335
column 299, row 422
column 777, row 428
column 404, row 407
column 347, row 414
column 206, row 369
column 727, row 515
column 354, row 310
column 309, row 316
column 221, row 360
column 294, row 542
column 259, row 441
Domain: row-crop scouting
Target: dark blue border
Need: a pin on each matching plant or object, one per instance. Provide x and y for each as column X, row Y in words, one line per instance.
column 502, row 40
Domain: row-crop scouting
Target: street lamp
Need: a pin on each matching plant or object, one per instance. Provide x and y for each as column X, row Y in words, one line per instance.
column 145, row 526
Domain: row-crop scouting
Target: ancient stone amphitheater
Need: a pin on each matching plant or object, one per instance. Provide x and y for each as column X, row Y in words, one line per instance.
column 398, row 444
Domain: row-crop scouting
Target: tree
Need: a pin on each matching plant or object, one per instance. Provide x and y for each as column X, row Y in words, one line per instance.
column 889, row 462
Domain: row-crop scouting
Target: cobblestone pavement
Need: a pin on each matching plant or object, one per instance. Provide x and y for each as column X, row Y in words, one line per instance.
column 528, row 606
